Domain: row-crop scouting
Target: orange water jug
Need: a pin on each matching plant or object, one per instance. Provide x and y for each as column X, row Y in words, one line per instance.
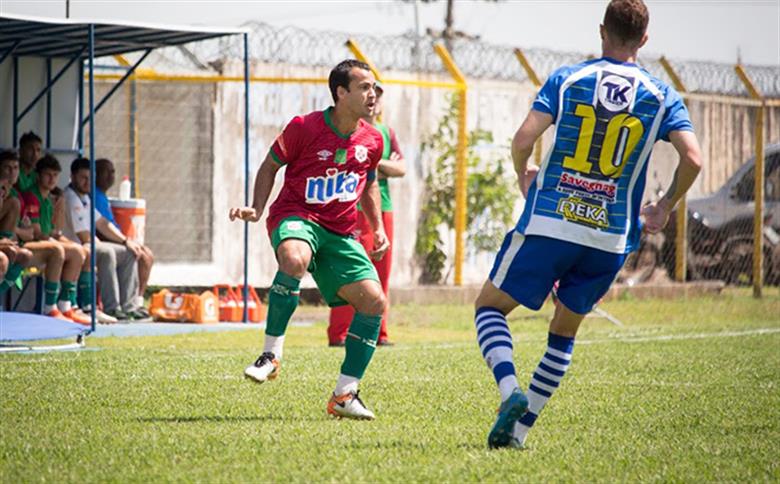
column 178, row 307
column 256, row 311
column 229, row 309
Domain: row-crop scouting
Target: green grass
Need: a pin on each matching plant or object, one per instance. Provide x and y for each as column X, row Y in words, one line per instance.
column 635, row 406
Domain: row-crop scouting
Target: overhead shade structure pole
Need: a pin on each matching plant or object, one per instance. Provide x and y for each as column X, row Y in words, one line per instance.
column 48, row 87
column 92, row 255
column 48, row 103
column 80, row 127
column 246, row 176
column 121, row 81
column 15, row 113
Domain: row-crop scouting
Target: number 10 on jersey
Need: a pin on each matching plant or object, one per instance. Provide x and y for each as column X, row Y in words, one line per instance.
column 620, row 138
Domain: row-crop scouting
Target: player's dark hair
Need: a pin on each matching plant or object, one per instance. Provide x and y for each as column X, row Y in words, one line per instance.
column 6, row 155
column 48, row 162
column 29, row 137
column 626, row 20
column 339, row 76
column 78, row 165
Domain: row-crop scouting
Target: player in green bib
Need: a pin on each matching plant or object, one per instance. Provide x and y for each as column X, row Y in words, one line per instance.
column 30, row 151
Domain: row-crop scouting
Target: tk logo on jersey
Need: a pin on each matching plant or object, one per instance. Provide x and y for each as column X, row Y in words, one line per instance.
column 615, row 93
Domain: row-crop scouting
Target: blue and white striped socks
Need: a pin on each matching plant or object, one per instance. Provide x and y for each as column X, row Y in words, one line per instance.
column 545, row 380
column 495, row 342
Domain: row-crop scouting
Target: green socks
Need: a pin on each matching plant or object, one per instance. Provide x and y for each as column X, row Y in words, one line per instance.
column 68, row 292
column 360, row 344
column 282, row 301
column 11, row 275
column 51, row 290
column 85, row 291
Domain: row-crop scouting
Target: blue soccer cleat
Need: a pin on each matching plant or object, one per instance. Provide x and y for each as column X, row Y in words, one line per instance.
column 509, row 413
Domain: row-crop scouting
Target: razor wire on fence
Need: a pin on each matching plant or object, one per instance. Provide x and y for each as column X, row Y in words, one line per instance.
column 476, row 58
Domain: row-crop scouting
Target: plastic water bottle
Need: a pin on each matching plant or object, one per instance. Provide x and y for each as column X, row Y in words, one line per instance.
column 124, row 189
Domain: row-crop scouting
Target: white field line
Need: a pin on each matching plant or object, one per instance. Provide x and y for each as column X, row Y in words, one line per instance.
column 625, row 339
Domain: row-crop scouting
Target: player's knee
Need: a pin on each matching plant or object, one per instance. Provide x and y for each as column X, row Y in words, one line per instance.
column 57, row 254
column 74, row 254
column 375, row 302
column 23, row 257
column 292, row 263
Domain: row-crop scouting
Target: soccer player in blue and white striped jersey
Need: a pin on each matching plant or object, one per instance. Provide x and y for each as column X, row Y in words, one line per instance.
column 582, row 212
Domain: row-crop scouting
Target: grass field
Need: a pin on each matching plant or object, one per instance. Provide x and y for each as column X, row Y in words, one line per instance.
column 688, row 390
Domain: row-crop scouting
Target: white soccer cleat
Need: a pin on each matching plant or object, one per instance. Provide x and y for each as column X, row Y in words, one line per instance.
column 104, row 318
column 349, row 405
column 265, row 368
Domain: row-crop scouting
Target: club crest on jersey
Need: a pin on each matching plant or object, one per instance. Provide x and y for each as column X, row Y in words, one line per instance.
column 575, row 209
column 615, row 92
column 323, row 155
column 361, row 153
column 573, row 184
column 335, row 185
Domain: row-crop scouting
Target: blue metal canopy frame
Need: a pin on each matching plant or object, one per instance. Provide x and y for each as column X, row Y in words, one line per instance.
column 81, row 41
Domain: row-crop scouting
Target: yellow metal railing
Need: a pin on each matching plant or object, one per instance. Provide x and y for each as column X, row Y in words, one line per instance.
column 681, row 237
column 461, row 168
column 758, row 195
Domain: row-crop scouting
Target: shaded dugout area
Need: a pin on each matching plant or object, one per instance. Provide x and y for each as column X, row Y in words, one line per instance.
column 47, row 81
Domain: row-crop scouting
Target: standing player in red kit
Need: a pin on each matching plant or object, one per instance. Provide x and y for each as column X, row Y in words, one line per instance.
column 331, row 159
column 392, row 165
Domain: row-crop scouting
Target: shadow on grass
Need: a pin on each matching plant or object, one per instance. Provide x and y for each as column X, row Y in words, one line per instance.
column 217, row 419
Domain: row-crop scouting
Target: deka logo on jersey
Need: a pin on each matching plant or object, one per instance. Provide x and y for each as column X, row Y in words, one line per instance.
column 615, row 93
column 575, row 209
column 335, row 185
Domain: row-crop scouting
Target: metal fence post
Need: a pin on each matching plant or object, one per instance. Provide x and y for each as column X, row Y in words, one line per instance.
column 758, row 170
column 359, row 55
column 681, row 220
column 461, row 171
column 531, row 73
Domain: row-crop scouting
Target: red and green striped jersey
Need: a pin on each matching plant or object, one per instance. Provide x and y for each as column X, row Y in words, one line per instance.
column 326, row 171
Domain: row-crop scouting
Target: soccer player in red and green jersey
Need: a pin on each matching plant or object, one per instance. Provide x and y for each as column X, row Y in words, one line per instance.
column 330, row 159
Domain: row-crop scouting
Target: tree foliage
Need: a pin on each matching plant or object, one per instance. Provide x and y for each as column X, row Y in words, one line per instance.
column 491, row 195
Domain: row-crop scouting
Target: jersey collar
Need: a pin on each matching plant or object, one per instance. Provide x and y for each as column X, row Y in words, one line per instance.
column 326, row 114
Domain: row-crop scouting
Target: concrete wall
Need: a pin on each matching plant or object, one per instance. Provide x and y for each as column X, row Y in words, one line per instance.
column 725, row 131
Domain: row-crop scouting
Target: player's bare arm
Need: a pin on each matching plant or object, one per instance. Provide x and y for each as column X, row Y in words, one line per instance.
column 264, row 183
column 657, row 214
column 371, row 201
column 523, row 145
column 393, row 167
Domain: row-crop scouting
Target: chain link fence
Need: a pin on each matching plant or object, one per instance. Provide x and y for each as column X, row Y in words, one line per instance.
column 159, row 134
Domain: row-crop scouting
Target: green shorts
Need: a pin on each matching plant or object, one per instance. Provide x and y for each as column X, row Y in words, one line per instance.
column 337, row 260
